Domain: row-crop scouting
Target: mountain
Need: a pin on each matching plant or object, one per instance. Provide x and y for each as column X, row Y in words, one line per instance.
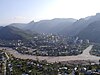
column 79, row 25
column 13, row 33
column 1, row 27
column 19, row 25
column 50, row 26
column 74, row 28
column 67, row 27
column 91, row 32
column 47, row 26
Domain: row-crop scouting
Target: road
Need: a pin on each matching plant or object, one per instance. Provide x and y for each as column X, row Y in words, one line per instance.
column 84, row 56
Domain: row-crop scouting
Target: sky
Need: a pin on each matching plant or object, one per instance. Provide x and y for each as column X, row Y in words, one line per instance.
column 24, row 11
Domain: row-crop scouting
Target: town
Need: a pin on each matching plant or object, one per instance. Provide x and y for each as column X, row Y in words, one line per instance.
column 10, row 65
column 48, row 45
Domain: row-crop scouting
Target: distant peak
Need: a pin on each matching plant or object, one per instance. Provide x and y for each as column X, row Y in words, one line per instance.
column 31, row 22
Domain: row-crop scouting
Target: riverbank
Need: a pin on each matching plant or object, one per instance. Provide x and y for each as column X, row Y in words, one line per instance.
column 84, row 56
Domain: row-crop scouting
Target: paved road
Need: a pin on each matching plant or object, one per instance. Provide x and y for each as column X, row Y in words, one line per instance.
column 84, row 56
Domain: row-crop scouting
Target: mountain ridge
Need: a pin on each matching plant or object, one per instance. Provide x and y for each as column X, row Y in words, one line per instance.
column 13, row 33
column 62, row 26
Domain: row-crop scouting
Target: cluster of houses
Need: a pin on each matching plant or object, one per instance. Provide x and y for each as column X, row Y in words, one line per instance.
column 29, row 67
column 52, row 45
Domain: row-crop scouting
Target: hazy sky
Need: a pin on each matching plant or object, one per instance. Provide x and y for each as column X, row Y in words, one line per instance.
column 27, row 10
